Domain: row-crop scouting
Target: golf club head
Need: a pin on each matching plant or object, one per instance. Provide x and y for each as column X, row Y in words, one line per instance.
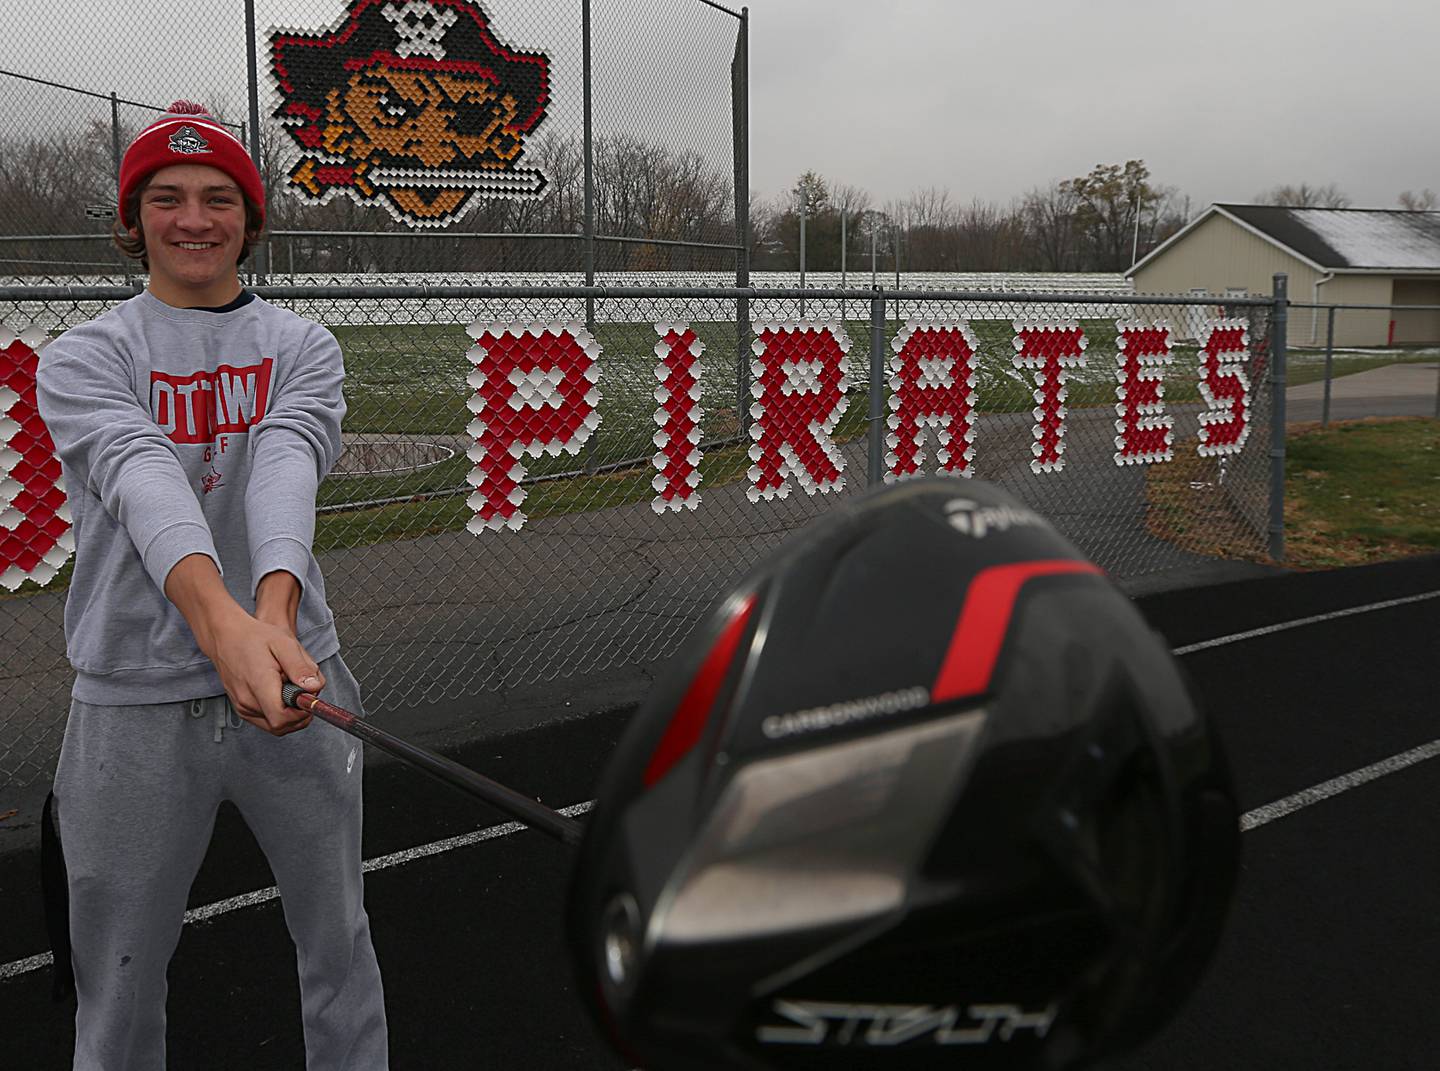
column 922, row 790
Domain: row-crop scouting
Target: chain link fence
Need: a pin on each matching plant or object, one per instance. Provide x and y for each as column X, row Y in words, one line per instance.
column 626, row 152
column 1331, row 341
column 525, row 499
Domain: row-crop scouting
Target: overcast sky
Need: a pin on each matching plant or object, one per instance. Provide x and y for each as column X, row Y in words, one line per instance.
column 1221, row 98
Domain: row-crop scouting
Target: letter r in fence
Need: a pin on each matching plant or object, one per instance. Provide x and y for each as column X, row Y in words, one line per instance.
column 677, row 420
column 932, row 385
column 798, row 396
column 535, row 394
column 1049, row 348
column 1143, row 433
column 1224, row 348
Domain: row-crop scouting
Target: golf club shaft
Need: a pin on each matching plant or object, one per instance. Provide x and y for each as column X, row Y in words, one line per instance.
column 531, row 812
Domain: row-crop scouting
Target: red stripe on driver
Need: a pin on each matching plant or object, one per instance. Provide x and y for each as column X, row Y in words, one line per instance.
column 984, row 619
column 693, row 711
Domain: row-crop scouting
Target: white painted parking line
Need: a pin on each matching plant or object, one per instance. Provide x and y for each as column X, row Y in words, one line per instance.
column 1250, row 820
column 261, row 896
column 1336, row 785
column 1268, row 630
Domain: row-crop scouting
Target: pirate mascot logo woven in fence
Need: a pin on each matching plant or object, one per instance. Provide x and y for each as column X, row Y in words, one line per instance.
column 412, row 105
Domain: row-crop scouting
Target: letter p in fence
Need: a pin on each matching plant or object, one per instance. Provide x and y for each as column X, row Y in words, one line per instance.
column 536, row 394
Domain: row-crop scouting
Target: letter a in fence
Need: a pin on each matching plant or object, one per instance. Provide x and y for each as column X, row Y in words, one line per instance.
column 1049, row 347
column 932, row 385
column 677, row 438
column 1225, row 387
column 798, row 390
column 534, row 394
column 1143, row 433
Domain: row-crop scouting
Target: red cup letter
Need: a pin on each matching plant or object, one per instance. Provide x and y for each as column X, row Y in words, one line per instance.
column 932, row 385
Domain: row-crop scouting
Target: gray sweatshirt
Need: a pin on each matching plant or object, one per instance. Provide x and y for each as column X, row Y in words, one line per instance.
column 182, row 431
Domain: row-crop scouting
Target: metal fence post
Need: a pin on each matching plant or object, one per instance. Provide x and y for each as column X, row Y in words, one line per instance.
column 115, row 155
column 740, row 117
column 115, row 142
column 262, row 249
column 588, row 135
column 802, row 255
column 589, row 163
column 1278, row 322
column 1329, row 365
column 876, row 430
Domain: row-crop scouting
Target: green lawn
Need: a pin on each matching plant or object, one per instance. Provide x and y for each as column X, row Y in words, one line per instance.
column 1360, row 491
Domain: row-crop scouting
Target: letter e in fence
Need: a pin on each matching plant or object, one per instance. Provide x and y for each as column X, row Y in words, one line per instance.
column 797, row 387
column 677, row 420
column 1049, row 349
column 535, row 394
column 36, row 539
column 932, row 385
column 1144, row 434
column 1225, row 425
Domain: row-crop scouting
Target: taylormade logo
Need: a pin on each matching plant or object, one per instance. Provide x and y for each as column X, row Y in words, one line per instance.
column 971, row 519
column 778, row 726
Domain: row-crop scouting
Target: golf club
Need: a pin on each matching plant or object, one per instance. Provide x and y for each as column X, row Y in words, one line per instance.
column 922, row 789
column 531, row 812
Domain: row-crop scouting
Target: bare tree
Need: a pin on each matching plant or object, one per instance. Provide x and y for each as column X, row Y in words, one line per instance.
column 1110, row 200
column 1305, row 195
column 1424, row 201
column 1049, row 217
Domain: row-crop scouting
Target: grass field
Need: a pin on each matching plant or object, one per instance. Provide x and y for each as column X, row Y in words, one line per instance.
column 1360, row 491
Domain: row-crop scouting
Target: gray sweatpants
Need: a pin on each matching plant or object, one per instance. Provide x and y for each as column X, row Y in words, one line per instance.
column 136, row 794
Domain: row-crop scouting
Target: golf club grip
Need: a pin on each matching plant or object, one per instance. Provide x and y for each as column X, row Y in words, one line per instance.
column 531, row 812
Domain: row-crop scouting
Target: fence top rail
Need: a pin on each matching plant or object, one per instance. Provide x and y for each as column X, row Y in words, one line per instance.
column 1328, row 305
column 101, row 96
column 119, row 293
column 432, row 235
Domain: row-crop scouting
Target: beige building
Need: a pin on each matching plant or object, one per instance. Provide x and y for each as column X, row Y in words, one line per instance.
column 1339, row 256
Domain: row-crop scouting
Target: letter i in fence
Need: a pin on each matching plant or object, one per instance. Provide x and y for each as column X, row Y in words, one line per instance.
column 677, row 420
column 36, row 539
column 536, row 394
column 1225, row 425
column 1049, row 348
column 932, row 386
column 1144, row 434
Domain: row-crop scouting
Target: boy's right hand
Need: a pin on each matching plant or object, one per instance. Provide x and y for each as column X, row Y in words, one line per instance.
column 254, row 658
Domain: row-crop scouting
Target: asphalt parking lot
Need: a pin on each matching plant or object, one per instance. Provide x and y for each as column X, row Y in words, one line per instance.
column 1327, row 962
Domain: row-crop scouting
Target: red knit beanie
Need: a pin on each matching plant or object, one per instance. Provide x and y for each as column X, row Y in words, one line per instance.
column 188, row 134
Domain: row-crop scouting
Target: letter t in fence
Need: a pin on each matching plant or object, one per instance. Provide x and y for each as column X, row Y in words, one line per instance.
column 798, row 392
column 534, row 394
column 1049, row 348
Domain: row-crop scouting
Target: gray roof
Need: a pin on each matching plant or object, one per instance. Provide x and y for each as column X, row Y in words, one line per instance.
column 1350, row 238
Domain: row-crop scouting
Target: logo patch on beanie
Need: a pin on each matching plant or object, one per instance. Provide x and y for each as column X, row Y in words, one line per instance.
column 187, row 140
column 411, row 105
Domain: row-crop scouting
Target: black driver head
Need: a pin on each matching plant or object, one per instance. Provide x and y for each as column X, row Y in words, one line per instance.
column 923, row 789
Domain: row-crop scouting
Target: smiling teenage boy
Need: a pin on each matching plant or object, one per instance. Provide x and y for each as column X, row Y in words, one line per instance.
column 194, row 423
